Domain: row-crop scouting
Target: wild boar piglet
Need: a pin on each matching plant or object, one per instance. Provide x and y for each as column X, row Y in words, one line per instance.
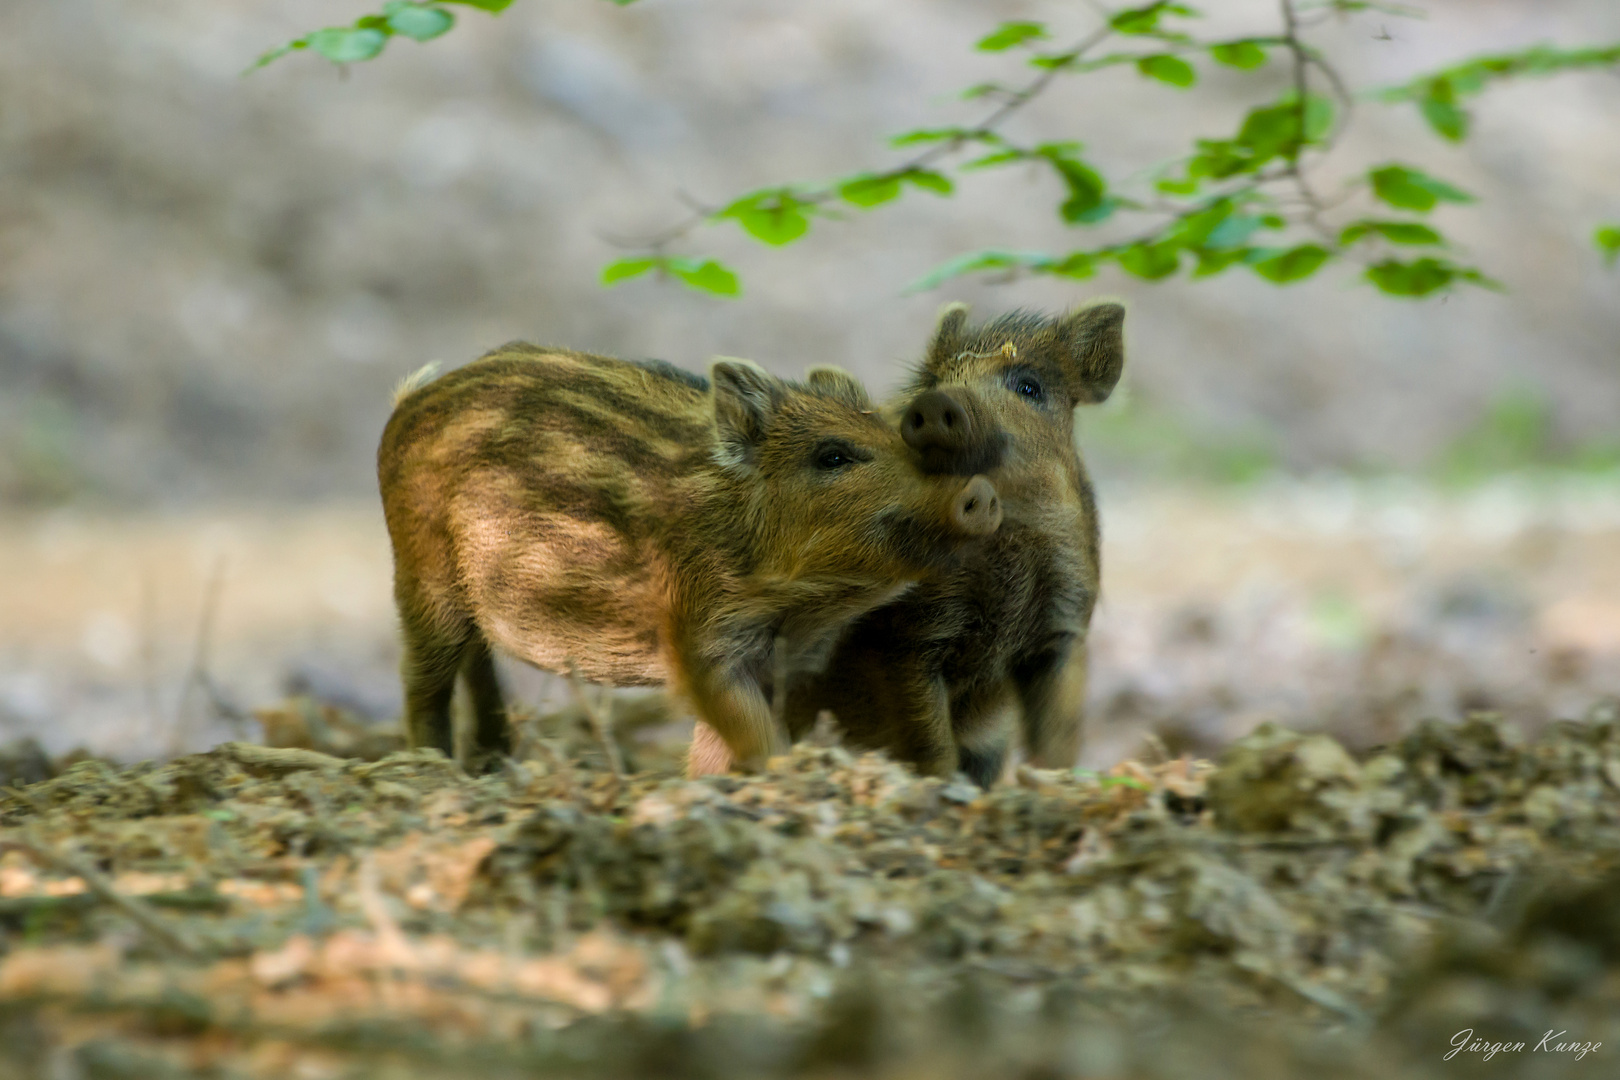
column 643, row 525
column 944, row 676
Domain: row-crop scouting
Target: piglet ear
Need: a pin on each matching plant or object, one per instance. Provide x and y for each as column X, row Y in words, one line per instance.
column 947, row 340
column 1093, row 343
column 746, row 397
column 835, row 382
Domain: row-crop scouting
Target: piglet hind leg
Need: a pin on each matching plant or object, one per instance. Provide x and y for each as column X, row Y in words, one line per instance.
column 492, row 734
column 433, row 656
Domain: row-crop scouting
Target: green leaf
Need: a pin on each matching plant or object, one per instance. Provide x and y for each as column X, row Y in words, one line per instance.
column 1145, row 19
column 625, row 269
column 1011, row 34
column 871, row 189
column 1167, row 69
column 1234, row 232
column 1211, row 263
column 1439, row 107
column 1097, row 214
column 422, row 20
column 928, row 135
column 1195, row 228
column 1396, row 232
column 1318, row 117
column 1418, row 278
column 1439, row 94
column 1607, row 239
column 277, row 53
column 348, row 45
column 418, row 22
column 1446, row 118
column 1239, row 54
column 774, row 217
column 706, row 275
column 1405, row 11
column 1269, row 131
column 986, row 260
column 1053, row 61
column 1410, row 189
column 929, row 180
column 1150, row 261
column 1000, row 157
column 1295, row 264
column 1079, row 266
column 1086, row 188
column 866, row 191
column 1422, row 276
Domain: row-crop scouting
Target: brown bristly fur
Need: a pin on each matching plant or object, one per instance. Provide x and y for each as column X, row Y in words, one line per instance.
column 646, row 526
column 942, row 677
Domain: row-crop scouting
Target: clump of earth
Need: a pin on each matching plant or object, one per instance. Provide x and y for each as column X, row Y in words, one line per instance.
column 276, row 911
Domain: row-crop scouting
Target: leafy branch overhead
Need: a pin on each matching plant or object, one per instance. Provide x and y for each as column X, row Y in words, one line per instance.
column 366, row 38
column 1245, row 199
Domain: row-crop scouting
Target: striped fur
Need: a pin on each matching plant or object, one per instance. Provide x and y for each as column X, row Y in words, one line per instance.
column 643, row 525
column 943, row 677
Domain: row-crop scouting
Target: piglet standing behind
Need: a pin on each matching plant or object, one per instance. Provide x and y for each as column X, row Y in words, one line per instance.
column 947, row 675
column 643, row 525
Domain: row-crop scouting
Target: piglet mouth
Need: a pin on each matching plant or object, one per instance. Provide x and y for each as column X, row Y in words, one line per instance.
column 961, row 522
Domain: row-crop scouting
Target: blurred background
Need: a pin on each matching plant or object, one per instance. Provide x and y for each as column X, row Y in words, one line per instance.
column 1320, row 505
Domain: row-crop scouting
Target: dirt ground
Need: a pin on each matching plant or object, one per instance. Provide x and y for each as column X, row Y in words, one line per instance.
column 259, row 912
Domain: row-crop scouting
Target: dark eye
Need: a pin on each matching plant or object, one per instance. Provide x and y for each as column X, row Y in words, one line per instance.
column 833, row 459
column 830, row 455
column 1026, row 386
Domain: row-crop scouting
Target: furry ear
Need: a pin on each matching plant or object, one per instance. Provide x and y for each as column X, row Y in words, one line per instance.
column 946, row 342
column 746, row 396
column 1094, row 347
column 835, row 382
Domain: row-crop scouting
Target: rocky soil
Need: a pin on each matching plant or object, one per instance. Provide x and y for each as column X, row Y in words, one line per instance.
column 280, row 911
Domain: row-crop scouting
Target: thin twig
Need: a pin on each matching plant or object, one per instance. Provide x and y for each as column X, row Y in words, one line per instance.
column 148, row 616
column 1014, row 101
column 1301, row 72
column 97, row 883
column 197, row 674
column 600, row 719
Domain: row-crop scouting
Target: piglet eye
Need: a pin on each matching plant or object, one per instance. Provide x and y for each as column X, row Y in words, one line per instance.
column 1028, row 388
column 833, row 459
